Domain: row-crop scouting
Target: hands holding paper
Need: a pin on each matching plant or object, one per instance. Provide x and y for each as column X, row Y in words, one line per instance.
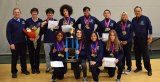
column 92, row 62
column 53, row 25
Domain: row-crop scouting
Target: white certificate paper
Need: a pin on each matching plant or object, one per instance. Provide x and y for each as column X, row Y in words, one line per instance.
column 109, row 62
column 66, row 28
column 105, row 36
column 52, row 24
column 57, row 64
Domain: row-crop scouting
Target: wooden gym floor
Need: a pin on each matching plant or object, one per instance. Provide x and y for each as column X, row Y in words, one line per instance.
column 5, row 75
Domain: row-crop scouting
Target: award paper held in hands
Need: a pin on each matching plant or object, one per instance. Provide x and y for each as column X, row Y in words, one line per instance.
column 105, row 36
column 52, row 25
column 66, row 28
column 109, row 62
column 57, row 64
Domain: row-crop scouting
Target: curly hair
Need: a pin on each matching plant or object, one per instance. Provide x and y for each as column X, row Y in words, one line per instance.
column 68, row 7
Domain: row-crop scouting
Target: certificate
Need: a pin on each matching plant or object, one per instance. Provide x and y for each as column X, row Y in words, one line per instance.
column 109, row 62
column 53, row 25
column 105, row 36
column 66, row 28
column 57, row 64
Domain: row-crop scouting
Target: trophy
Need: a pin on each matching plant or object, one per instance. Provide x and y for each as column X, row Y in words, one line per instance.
column 72, row 45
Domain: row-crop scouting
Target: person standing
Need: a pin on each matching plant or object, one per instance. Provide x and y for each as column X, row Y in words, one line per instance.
column 17, row 41
column 125, row 35
column 142, row 29
column 34, row 23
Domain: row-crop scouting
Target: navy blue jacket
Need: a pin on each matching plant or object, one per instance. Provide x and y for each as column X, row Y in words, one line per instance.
column 117, row 54
column 49, row 35
column 14, row 31
column 112, row 25
column 129, row 31
column 54, row 56
column 98, row 58
column 71, row 21
column 142, row 27
column 93, row 22
column 31, row 23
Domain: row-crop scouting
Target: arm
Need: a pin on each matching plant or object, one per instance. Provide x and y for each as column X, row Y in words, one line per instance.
column 76, row 23
column 9, row 33
column 100, row 53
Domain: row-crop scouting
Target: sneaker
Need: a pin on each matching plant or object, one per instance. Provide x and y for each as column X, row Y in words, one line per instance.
column 38, row 71
column 118, row 80
column 127, row 72
column 14, row 75
column 123, row 72
column 33, row 71
column 149, row 73
column 25, row 72
column 137, row 70
column 85, row 79
column 47, row 70
column 53, row 80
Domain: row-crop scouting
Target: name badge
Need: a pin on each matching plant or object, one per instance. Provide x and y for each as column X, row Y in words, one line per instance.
column 111, row 24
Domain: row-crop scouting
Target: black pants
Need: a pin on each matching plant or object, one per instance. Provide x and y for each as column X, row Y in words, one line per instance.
column 111, row 71
column 127, row 56
column 58, row 73
column 78, row 67
column 20, row 50
column 34, row 54
column 141, row 49
column 95, row 71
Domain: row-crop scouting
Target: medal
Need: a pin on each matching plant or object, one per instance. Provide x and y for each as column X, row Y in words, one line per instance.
column 94, row 49
column 61, row 55
column 59, row 46
column 93, row 55
column 111, row 54
column 86, row 21
column 66, row 21
column 112, row 50
column 124, row 32
column 124, row 28
column 107, row 24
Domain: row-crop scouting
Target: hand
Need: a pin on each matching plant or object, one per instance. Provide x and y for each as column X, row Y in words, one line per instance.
column 116, row 61
column 56, row 27
column 92, row 62
column 31, row 39
column 77, row 51
column 149, row 39
column 12, row 46
column 43, row 23
column 66, row 49
column 61, row 49
column 54, row 50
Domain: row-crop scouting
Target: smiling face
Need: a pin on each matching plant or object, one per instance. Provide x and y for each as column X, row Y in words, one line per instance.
column 34, row 14
column 87, row 13
column 124, row 17
column 16, row 13
column 94, row 37
column 79, row 34
column 107, row 14
column 59, row 37
column 50, row 15
column 138, row 12
column 65, row 13
column 112, row 36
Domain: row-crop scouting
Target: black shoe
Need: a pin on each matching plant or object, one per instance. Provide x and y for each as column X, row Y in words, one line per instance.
column 26, row 72
column 149, row 73
column 14, row 75
column 137, row 70
column 47, row 70
column 33, row 71
column 37, row 71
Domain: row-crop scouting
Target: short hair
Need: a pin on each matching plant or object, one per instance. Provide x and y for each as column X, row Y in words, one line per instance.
column 107, row 10
column 34, row 9
column 68, row 7
column 16, row 9
column 85, row 8
column 49, row 10
column 137, row 7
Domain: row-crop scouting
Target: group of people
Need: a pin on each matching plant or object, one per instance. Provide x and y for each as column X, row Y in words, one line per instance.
column 91, row 47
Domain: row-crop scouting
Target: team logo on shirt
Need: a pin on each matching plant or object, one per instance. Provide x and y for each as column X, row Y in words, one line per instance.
column 91, row 21
column 142, row 23
column 129, row 25
column 23, row 22
column 111, row 24
column 38, row 24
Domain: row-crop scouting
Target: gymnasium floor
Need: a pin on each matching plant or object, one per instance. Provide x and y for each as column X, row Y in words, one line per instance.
column 5, row 75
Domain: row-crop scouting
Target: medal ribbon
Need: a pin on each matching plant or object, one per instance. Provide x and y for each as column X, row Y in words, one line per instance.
column 59, row 46
column 67, row 20
column 124, row 26
column 87, row 21
column 94, row 47
column 107, row 23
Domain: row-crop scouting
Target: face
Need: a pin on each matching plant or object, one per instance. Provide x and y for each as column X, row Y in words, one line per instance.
column 87, row 13
column 112, row 37
column 59, row 36
column 79, row 34
column 93, row 37
column 17, row 13
column 124, row 17
column 107, row 14
column 138, row 12
column 65, row 13
column 50, row 15
column 34, row 14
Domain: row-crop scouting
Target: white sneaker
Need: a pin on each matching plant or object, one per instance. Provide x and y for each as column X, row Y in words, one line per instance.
column 85, row 79
column 127, row 72
column 118, row 80
column 123, row 72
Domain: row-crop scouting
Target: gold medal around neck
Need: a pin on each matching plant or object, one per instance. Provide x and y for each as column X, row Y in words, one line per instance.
column 111, row 54
column 87, row 26
column 107, row 29
column 61, row 55
column 93, row 55
column 124, row 32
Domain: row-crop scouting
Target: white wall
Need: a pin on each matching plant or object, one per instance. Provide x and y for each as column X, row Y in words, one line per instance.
column 150, row 8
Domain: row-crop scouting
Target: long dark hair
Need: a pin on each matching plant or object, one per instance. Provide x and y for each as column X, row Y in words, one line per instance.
column 83, row 36
column 94, row 32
